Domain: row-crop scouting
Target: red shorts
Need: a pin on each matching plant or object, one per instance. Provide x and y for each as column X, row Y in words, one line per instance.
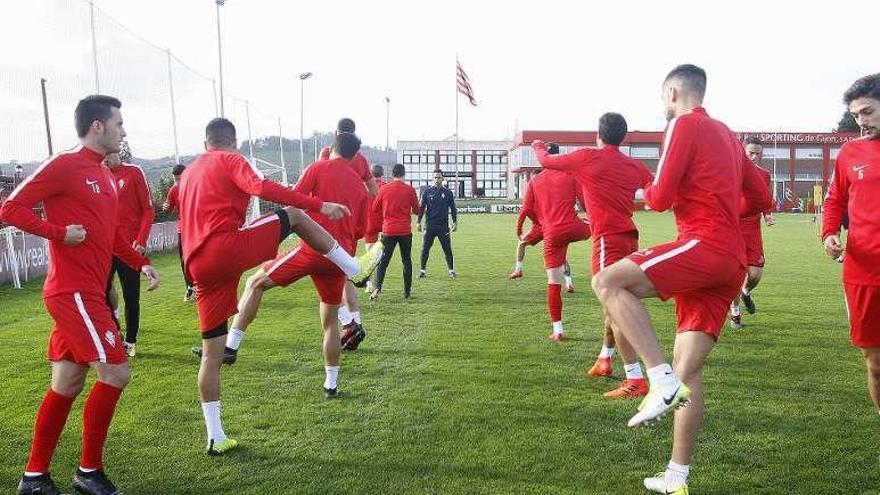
column 533, row 236
column 556, row 244
column 84, row 331
column 611, row 248
column 754, row 244
column 216, row 268
column 702, row 280
column 328, row 279
column 863, row 308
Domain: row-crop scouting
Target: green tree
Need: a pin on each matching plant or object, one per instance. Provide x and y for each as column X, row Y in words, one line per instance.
column 847, row 123
column 160, row 192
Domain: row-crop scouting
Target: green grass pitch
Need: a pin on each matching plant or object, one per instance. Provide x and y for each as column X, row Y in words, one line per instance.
column 459, row 391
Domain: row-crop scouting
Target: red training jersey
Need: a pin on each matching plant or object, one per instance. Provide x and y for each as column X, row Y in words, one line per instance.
column 609, row 179
column 359, row 164
column 554, row 195
column 172, row 199
column 135, row 216
column 214, row 195
column 855, row 188
column 393, row 207
column 75, row 189
column 334, row 181
column 702, row 176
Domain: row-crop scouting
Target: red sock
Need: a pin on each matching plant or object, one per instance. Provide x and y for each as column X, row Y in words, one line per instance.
column 97, row 414
column 554, row 302
column 48, row 426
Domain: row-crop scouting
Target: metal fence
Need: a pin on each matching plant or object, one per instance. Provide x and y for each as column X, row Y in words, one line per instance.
column 76, row 49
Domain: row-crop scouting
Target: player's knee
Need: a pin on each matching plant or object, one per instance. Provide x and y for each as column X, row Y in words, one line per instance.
column 116, row 376
column 601, row 285
column 69, row 388
column 259, row 281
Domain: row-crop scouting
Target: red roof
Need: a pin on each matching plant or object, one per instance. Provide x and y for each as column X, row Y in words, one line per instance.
column 588, row 138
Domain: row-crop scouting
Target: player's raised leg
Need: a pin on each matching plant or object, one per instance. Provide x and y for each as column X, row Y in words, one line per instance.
column 621, row 287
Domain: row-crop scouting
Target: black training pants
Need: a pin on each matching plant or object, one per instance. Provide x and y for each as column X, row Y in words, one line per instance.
column 389, row 243
column 445, row 243
column 130, row 280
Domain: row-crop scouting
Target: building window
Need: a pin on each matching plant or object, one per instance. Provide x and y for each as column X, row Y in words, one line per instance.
column 777, row 152
column 808, row 153
column 649, row 152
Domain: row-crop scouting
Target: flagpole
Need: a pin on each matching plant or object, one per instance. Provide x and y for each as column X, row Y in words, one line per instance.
column 456, row 126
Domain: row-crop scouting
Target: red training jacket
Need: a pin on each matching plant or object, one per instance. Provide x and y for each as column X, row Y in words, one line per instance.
column 75, row 189
column 855, row 188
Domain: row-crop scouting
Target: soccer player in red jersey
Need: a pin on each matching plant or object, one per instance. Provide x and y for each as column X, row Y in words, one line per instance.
column 702, row 175
column 331, row 180
column 134, row 219
column 80, row 201
column 536, row 233
column 218, row 247
column 533, row 236
column 751, row 231
column 392, row 212
column 349, row 312
column 172, row 202
column 554, row 194
column 855, row 188
column 610, row 180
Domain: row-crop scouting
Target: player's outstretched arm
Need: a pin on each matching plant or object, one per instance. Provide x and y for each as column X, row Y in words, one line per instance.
column 568, row 161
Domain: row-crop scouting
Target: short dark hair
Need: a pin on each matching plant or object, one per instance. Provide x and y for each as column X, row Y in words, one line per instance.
column 221, row 132
column 92, row 108
column 553, row 148
column 378, row 170
column 177, row 170
column 691, row 77
column 867, row 86
column 346, row 145
column 612, row 128
column 345, row 125
column 753, row 140
column 398, row 170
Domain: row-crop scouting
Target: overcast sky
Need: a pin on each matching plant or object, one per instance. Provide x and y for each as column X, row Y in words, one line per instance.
column 544, row 65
